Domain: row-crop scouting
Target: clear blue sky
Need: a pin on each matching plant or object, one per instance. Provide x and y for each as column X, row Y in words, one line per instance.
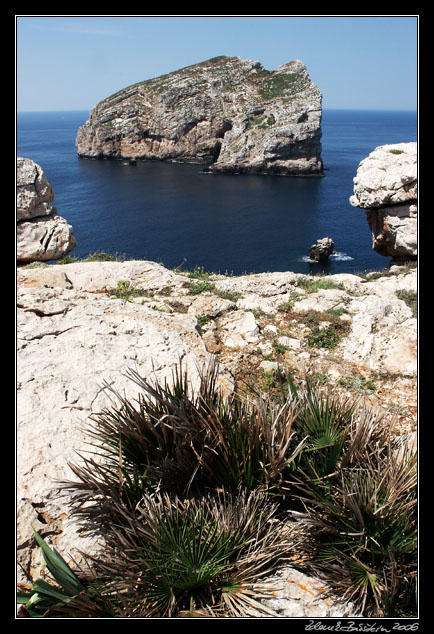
column 72, row 62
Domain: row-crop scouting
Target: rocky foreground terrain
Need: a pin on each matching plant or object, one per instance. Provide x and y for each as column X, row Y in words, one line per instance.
column 83, row 324
column 228, row 113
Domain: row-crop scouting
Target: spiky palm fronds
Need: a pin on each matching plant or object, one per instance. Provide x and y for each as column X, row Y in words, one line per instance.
column 324, row 422
column 174, row 557
column 365, row 525
column 369, row 437
column 332, row 454
column 78, row 594
column 173, row 438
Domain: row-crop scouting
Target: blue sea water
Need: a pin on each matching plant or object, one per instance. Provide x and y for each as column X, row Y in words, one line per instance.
column 175, row 214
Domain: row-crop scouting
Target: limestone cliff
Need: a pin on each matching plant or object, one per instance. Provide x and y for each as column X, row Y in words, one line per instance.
column 386, row 187
column 41, row 233
column 226, row 112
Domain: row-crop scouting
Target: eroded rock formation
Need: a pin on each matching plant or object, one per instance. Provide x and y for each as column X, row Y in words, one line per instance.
column 386, row 187
column 41, row 233
column 226, row 112
column 321, row 250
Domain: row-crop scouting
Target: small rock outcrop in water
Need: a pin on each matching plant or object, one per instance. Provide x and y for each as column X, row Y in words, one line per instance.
column 226, row 112
column 386, row 186
column 41, row 233
column 321, row 250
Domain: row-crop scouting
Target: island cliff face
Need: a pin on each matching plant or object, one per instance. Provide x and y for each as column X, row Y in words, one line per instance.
column 228, row 113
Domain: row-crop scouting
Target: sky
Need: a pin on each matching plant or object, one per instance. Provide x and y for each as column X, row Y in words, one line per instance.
column 71, row 62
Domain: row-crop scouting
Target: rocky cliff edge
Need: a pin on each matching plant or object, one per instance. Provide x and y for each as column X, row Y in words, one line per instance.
column 41, row 233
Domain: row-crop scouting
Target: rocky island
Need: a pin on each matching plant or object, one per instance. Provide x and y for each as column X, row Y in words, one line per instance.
column 230, row 114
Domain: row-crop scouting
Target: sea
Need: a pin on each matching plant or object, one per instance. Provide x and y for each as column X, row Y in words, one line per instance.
column 183, row 217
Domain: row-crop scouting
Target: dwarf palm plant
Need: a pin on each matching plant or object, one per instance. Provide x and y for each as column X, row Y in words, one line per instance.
column 176, row 557
column 179, row 440
column 181, row 481
column 325, row 423
column 365, row 524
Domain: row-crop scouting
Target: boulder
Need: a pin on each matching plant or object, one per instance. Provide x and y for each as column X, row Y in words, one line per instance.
column 386, row 187
column 394, row 230
column 321, row 250
column 41, row 233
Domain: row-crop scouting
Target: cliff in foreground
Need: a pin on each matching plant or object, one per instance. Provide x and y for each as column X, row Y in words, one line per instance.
column 226, row 112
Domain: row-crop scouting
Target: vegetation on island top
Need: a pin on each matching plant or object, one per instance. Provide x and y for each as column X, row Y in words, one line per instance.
column 270, row 84
column 195, row 490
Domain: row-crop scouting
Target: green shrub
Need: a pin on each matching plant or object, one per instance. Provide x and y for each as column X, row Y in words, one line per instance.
column 274, row 383
column 232, row 296
column 285, row 307
column 201, row 287
column 410, row 298
column 126, row 290
column 67, row 259
column 279, row 348
column 326, row 337
column 36, row 265
column 280, row 85
column 100, row 256
column 359, row 383
column 202, row 320
column 312, row 284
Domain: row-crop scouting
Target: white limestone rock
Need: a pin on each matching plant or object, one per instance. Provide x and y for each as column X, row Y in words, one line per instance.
column 299, row 596
column 71, row 340
column 34, row 191
column 388, row 176
column 45, row 238
column 386, row 187
column 240, row 329
column 41, row 233
column 73, row 335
